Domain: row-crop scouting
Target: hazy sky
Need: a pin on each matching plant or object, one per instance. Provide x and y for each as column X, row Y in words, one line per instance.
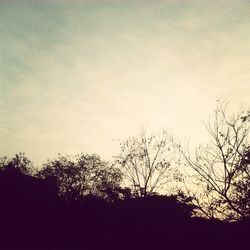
column 74, row 75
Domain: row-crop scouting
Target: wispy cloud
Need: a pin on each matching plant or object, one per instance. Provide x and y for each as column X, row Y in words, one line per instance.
column 76, row 74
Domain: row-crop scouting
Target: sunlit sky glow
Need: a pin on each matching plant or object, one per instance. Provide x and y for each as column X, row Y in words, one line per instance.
column 77, row 75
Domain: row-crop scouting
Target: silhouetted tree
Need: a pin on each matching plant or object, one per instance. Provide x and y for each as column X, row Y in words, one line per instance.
column 147, row 162
column 34, row 217
column 19, row 162
column 222, row 166
column 83, row 175
column 241, row 186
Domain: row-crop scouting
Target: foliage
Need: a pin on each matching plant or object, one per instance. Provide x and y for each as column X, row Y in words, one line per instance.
column 20, row 162
column 82, row 175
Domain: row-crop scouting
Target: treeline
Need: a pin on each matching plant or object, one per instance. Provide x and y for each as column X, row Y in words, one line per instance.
column 62, row 206
column 154, row 195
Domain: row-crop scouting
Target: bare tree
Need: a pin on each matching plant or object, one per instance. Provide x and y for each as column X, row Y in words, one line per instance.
column 222, row 166
column 146, row 162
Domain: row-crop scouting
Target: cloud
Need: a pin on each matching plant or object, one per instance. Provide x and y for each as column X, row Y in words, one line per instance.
column 76, row 76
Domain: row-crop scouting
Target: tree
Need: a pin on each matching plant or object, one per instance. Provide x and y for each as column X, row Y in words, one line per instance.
column 82, row 175
column 147, row 162
column 222, row 166
column 19, row 163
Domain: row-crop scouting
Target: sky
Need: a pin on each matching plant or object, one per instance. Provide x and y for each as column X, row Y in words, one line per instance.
column 76, row 76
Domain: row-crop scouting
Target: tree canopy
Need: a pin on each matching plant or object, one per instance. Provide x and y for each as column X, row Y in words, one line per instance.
column 82, row 175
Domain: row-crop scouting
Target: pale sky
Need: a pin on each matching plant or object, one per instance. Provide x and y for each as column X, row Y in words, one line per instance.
column 75, row 76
